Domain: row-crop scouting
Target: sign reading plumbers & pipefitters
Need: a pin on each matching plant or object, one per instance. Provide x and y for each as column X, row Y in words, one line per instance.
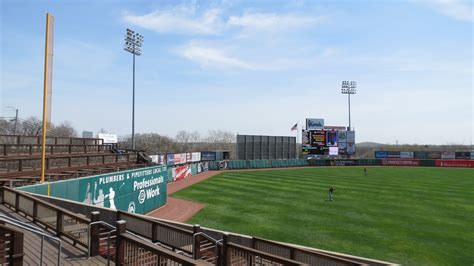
column 136, row 191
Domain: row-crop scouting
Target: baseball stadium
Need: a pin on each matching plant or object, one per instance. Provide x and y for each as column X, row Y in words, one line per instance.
column 314, row 196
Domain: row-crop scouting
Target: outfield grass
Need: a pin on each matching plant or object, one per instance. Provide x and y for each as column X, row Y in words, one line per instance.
column 412, row 216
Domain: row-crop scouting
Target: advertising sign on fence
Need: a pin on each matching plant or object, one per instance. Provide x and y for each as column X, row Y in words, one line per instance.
column 189, row 157
column 351, row 148
column 472, row 155
column 333, row 151
column 448, row 155
column 464, row 155
column 455, row 163
column 196, row 156
column 181, row 172
column 331, row 138
column 393, row 154
column 434, row 155
column 137, row 191
column 381, row 154
column 346, row 162
column 108, row 138
column 208, row 156
column 170, row 159
column 342, row 135
column 406, row 154
column 401, row 162
column 342, row 147
column 203, row 167
column 350, row 135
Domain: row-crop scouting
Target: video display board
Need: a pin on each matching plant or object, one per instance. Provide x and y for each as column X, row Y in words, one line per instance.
column 318, row 140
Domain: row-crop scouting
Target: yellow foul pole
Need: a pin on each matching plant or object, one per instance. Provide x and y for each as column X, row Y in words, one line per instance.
column 48, row 58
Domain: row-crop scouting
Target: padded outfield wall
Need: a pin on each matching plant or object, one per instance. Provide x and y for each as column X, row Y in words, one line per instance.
column 137, row 191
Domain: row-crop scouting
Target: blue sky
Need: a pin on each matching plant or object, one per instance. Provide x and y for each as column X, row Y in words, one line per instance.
column 249, row 67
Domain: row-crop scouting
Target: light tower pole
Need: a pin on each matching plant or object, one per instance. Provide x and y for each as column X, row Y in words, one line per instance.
column 349, row 88
column 133, row 44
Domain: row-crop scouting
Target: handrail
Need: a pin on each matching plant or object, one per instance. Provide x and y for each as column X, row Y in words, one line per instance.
column 208, row 237
column 306, row 251
column 264, row 255
column 69, row 213
column 162, row 251
column 108, row 238
column 27, row 227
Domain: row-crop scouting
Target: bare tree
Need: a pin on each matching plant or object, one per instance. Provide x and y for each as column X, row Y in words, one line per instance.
column 31, row 126
column 65, row 129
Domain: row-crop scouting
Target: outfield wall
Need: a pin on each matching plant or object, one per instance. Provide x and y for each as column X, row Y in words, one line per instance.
column 137, row 191
column 255, row 164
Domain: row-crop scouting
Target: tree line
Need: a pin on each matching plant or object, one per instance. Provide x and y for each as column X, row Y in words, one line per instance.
column 152, row 143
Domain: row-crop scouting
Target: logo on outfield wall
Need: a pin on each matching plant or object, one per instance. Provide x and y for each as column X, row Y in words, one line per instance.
column 141, row 196
column 131, row 207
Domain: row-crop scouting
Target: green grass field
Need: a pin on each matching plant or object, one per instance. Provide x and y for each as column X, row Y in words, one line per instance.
column 412, row 216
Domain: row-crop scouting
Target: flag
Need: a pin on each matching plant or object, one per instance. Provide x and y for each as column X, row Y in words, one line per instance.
column 295, row 127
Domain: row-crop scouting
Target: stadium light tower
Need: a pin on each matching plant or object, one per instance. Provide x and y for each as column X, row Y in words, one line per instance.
column 349, row 88
column 133, row 45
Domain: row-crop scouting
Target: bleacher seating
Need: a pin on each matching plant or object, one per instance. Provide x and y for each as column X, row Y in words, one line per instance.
column 20, row 158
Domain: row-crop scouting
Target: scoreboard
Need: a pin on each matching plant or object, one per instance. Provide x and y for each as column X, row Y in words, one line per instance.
column 327, row 140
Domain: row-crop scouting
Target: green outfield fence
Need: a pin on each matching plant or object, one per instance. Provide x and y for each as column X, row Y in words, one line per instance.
column 259, row 164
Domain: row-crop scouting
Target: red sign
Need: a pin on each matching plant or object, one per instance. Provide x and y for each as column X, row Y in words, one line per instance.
column 182, row 172
column 401, row 162
column 455, row 163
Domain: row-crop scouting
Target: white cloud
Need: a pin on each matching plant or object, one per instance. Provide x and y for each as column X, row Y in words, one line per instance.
column 212, row 57
column 272, row 22
column 180, row 19
column 457, row 9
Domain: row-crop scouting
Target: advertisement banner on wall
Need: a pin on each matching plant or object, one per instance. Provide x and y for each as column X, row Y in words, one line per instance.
column 401, row 162
column 351, row 148
column 136, row 191
column 421, row 154
column 346, row 162
column 342, row 147
column 305, row 136
column 314, row 123
column 464, row 155
column 406, row 154
column 189, row 157
column 342, row 136
column 434, row 155
column 331, row 138
column 318, row 138
column 196, row 157
column 170, row 159
column 393, row 154
column 333, row 151
column 350, row 135
column 381, row 154
column 154, row 158
column 181, row 172
column 208, row 156
column 448, row 155
column 472, row 155
column 455, row 163
column 108, row 138
column 179, row 158
column 203, row 167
